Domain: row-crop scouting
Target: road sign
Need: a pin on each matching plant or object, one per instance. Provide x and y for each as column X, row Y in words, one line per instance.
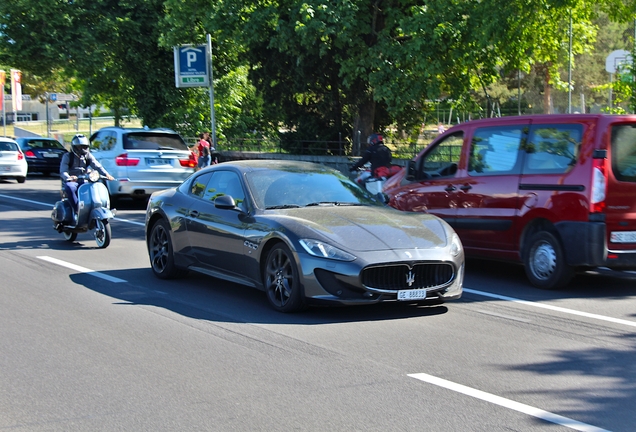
column 53, row 97
column 191, row 66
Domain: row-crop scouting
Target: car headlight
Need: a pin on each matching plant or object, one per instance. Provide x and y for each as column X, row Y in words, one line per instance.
column 456, row 245
column 325, row 250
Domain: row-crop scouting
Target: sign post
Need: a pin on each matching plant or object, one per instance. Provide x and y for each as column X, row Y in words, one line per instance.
column 2, row 104
column 193, row 68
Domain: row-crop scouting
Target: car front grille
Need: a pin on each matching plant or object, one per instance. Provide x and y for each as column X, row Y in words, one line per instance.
column 404, row 276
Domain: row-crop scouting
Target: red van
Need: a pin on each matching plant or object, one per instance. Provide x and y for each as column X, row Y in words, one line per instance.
column 555, row 192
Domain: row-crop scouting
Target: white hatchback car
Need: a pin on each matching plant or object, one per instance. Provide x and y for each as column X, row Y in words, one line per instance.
column 13, row 164
column 142, row 160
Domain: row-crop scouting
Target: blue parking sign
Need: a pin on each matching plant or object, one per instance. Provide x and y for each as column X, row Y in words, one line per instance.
column 191, row 66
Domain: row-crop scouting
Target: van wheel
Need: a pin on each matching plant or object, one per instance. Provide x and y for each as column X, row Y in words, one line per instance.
column 545, row 262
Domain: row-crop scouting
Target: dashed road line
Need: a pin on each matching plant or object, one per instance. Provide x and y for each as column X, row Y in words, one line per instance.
column 82, row 269
column 507, row 403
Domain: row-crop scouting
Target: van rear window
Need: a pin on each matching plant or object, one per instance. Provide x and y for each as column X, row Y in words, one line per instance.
column 624, row 152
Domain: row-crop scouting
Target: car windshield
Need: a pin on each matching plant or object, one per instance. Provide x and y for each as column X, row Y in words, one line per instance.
column 284, row 189
column 44, row 144
column 153, row 141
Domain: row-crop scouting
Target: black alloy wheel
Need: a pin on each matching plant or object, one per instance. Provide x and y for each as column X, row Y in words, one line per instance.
column 161, row 253
column 281, row 280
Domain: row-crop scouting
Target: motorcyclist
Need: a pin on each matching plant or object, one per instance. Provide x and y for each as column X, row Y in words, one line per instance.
column 76, row 162
column 377, row 153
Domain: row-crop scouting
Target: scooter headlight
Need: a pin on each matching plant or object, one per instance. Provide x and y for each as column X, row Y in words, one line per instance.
column 93, row 176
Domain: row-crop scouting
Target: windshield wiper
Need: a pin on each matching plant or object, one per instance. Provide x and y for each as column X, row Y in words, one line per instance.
column 336, row 203
column 285, row 206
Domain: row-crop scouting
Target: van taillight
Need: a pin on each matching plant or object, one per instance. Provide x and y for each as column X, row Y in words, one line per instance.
column 124, row 160
column 191, row 162
column 599, row 186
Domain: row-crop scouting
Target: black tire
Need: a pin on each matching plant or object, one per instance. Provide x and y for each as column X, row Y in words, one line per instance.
column 20, row 179
column 282, row 281
column 161, row 253
column 102, row 233
column 69, row 236
column 544, row 262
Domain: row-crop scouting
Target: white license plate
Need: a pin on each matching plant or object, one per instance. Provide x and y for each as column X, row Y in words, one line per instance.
column 623, row 237
column 50, row 155
column 158, row 161
column 416, row 294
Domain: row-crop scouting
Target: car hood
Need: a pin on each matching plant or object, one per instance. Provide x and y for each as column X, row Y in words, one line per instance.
column 367, row 228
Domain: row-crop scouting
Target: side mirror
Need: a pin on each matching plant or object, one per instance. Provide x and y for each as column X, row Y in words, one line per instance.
column 410, row 170
column 225, row 202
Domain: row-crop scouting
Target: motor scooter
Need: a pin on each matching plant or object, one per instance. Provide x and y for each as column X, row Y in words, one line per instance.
column 373, row 184
column 94, row 211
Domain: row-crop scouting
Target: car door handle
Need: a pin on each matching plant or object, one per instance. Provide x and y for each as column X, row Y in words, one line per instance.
column 466, row 187
column 450, row 188
column 194, row 213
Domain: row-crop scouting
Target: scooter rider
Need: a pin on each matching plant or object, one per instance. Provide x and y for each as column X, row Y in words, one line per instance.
column 377, row 153
column 77, row 162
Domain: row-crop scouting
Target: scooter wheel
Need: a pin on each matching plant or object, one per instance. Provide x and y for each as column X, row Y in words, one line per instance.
column 69, row 236
column 102, row 233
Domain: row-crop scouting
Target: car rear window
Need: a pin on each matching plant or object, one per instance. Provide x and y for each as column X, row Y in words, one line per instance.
column 49, row 144
column 624, row 152
column 153, row 141
column 8, row 146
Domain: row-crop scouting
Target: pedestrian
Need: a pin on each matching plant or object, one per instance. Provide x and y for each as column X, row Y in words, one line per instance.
column 203, row 149
column 440, row 128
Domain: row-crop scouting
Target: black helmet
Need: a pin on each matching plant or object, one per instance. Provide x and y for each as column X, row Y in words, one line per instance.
column 373, row 139
column 80, row 144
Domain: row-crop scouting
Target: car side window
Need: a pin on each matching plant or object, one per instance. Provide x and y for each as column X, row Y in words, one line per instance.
column 224, row 183
column 496, row 151
column 443, row 160
column 197, row 187
column 552, row 149
column 104, row 141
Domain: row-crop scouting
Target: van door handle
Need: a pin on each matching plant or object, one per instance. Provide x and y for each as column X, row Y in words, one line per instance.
column 450, row 188
column 466, row 187
column 194, row 213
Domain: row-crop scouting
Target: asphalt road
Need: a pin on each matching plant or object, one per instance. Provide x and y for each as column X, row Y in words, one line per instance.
column 90, row 340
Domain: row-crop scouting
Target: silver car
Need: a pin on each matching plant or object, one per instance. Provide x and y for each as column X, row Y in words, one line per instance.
column 303, row 233
column 142, row 160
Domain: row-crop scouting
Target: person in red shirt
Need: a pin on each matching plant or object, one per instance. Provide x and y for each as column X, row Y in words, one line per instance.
column 203, row 149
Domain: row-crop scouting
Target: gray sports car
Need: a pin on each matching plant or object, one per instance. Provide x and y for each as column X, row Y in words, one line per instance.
column 303, row 233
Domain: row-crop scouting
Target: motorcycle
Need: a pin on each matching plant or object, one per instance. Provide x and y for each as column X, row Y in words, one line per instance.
column 94, row 211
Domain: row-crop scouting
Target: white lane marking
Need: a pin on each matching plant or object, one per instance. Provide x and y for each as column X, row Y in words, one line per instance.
column 51, row 206
column 82, row 269
column 507, row 403
column 554, row 308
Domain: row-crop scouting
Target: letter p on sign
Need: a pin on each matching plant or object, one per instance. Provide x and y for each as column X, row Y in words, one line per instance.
column 192, row 58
